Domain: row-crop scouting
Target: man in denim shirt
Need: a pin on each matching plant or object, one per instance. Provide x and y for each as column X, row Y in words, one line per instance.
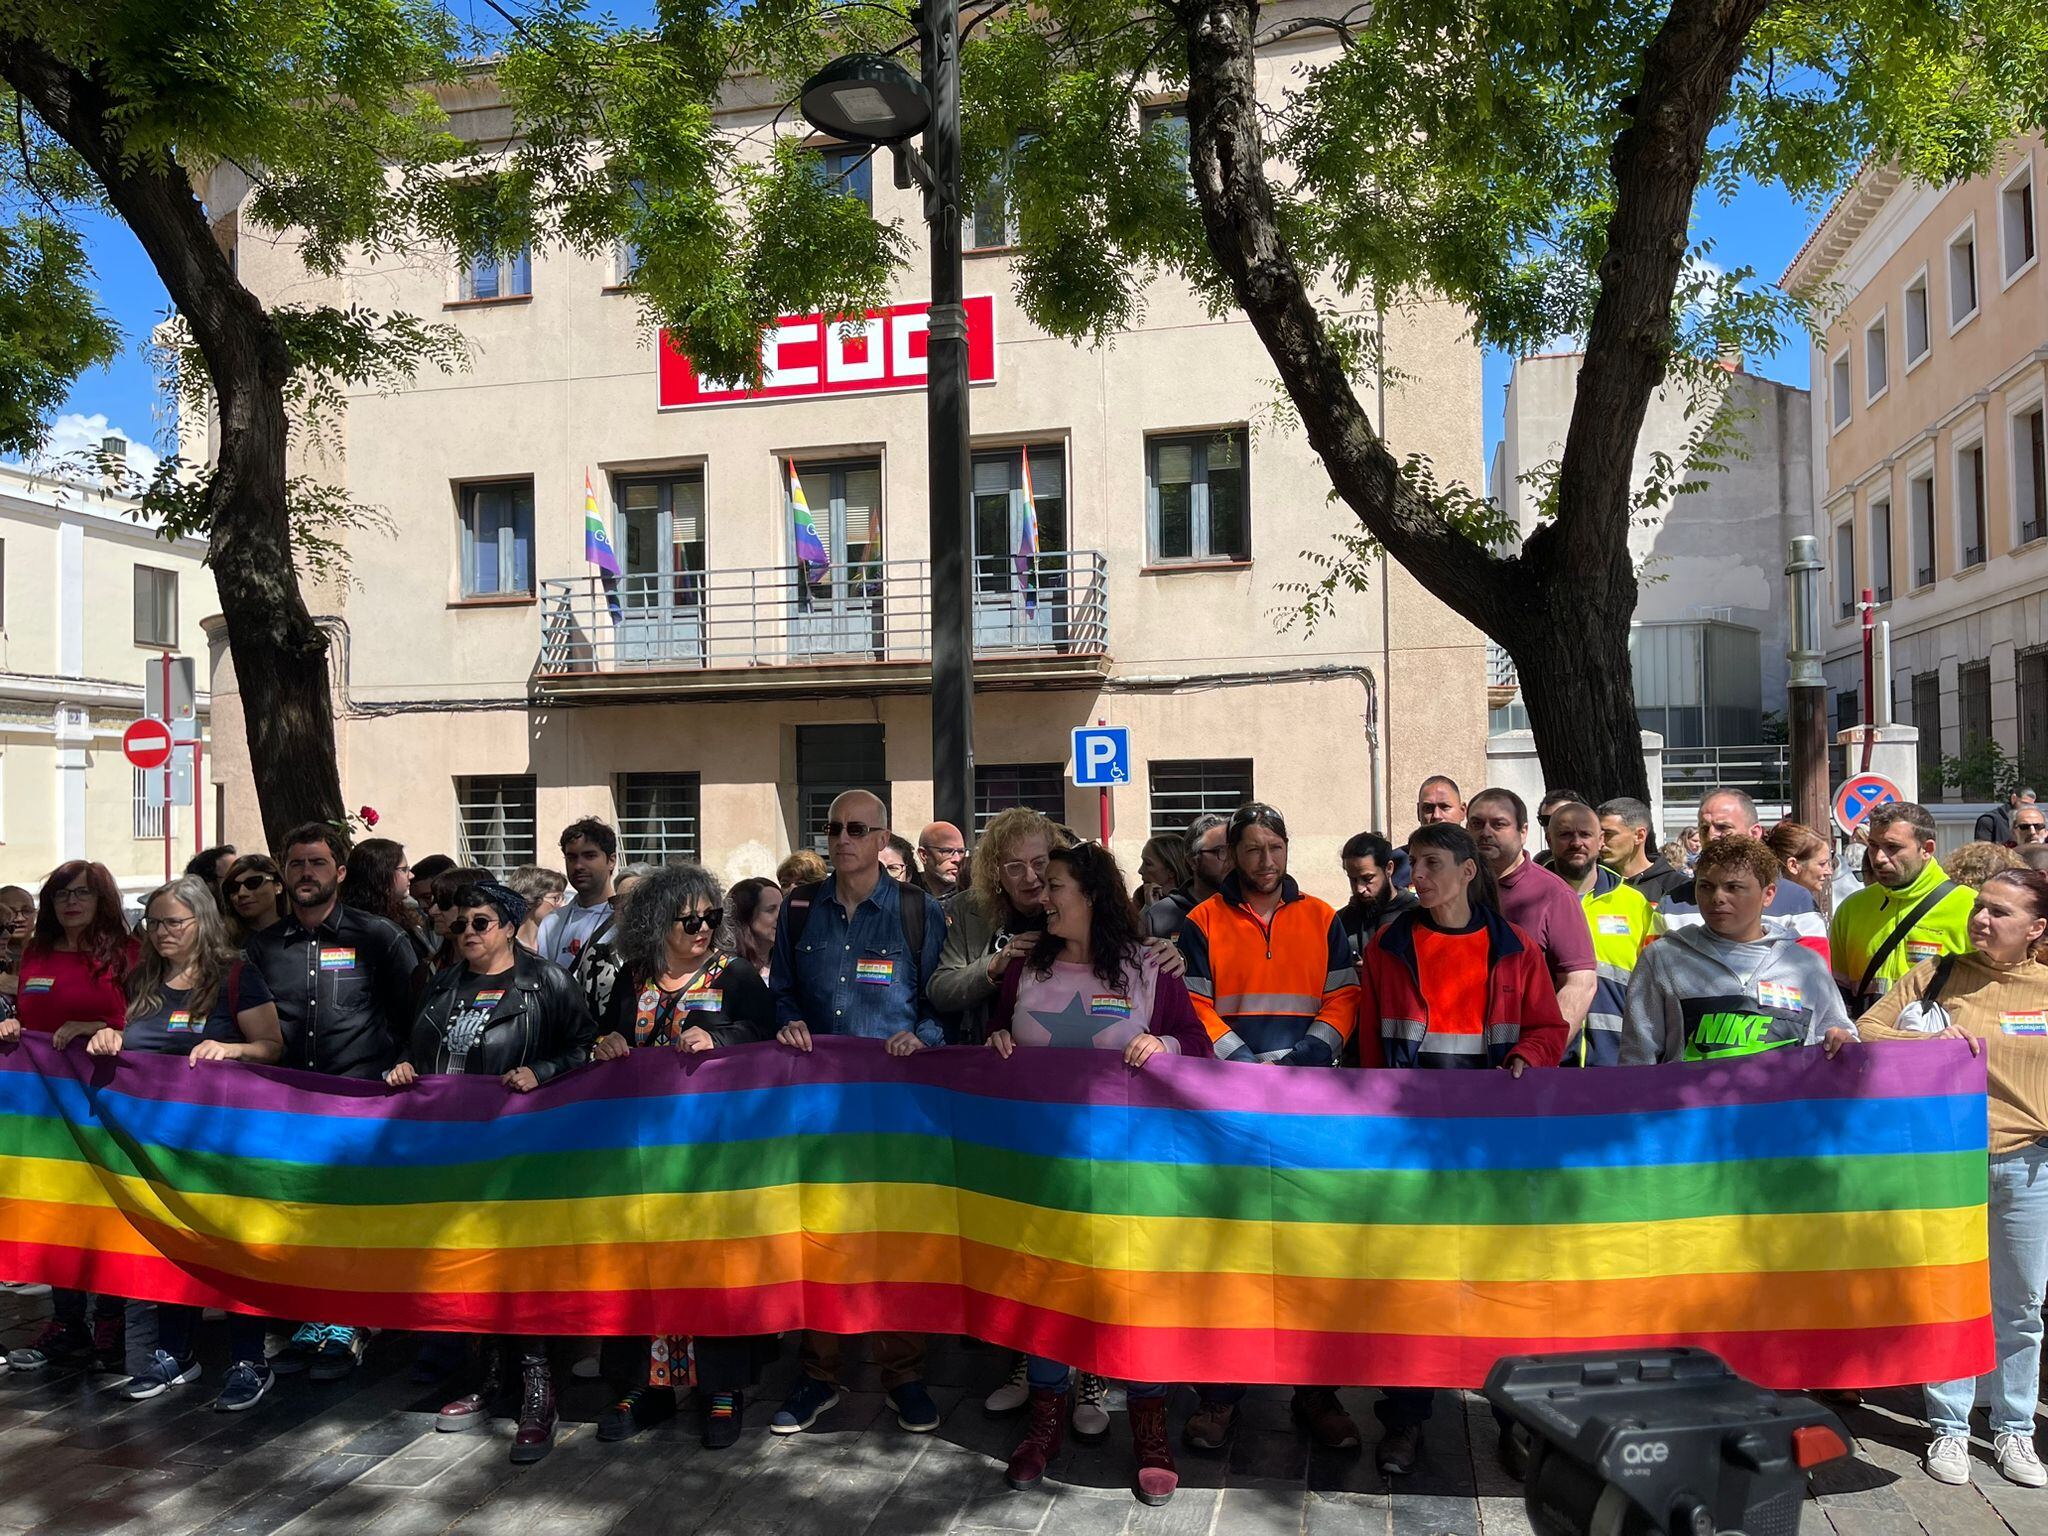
column 842, row 966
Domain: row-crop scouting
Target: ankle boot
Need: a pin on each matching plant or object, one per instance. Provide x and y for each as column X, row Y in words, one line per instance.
column 1157, row 1475
column 536, row 1435
column 1044, row 1433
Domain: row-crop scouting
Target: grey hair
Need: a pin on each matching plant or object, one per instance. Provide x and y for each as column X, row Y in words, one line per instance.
column 213, row 956
column 1200, row 827
column 664, row 894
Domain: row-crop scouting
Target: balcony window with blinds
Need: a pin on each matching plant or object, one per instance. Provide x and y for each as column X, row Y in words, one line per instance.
column 1198, row 503
column 848, row 169
column 156, row 607
column 1970, row 505
column 1000, row 509
column 495, row 815
column 1920, row 508
column 1881, row 550
column 1973, row 703
column 2029, row 476
column 492, row 276
column 1877, row 361
column 1040, row 787
column 995, row 210
column 1919, row 331
column 1845, row 570
column 1182, row 791
column 497, row 539
column 2016, row 235
column 1962, row 275
column 1167, row 124
column 659, row 818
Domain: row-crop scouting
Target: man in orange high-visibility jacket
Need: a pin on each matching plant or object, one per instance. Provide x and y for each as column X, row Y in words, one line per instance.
column 1271, row 975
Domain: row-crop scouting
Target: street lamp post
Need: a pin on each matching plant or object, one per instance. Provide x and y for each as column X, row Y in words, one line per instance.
column 872, row 100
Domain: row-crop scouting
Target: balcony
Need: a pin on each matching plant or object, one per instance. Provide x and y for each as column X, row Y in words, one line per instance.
column 865, row 627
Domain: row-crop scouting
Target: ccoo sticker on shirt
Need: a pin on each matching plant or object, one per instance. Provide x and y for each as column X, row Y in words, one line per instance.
column 489, row 999
column 179, row 1022
column 1920, row 950
column 1779, row 994
column 39, row 984
column 1110, row 1007
column 2034, row 1023
column 1613, row 925
column 874, row 973
column 337, row 959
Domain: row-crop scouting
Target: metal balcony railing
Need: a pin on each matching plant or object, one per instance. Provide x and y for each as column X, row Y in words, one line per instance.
column 1764, row 769
column 872, row 611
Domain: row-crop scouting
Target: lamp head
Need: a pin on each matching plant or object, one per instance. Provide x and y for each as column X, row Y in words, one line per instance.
column 865, row 98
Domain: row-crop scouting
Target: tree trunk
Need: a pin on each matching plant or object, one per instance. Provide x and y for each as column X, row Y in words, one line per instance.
column 1562, row 607
column 280, row 654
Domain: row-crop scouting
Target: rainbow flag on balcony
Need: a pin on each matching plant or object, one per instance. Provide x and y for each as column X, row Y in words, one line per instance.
column 597, row 548
column 1027, row 542
column 1817, row 1223
column 811, row 553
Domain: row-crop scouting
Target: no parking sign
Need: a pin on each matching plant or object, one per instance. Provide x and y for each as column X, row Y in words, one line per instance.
column 1859, row 796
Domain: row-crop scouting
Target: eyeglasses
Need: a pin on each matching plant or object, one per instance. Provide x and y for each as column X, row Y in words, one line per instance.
column 1219, row 851
column 472, row 925
column 168, row 924
column 942, row 853
column 247, row 883
column 2030, row 826
column 853, row 829
column 1017, row 869
column 695, row 922
column 74, row 893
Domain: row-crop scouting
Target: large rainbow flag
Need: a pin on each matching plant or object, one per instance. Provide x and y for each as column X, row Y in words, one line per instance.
column 1819, row 1223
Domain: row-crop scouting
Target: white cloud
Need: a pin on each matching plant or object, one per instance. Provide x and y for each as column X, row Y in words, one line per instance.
column 74, row 432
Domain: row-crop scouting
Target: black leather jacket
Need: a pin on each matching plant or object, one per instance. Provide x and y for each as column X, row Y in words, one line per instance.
column 541, row 1022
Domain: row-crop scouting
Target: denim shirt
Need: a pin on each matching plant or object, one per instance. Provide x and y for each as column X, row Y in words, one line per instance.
column 856, row 976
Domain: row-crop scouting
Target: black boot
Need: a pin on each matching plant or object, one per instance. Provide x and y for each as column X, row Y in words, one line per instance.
column 536, row 1435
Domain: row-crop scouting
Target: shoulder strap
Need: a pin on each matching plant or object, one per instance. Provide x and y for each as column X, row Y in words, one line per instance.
column 804, row 898
column 910, row 908
column 1943, row 969
column 1897, row 936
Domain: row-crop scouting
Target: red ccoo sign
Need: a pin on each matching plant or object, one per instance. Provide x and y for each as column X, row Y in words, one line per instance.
column 147, row 743
column 804, row 356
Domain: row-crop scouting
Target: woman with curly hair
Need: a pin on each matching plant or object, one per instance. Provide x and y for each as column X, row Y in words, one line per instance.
column 1092, row 983
column 379, row 882
column 681, row 992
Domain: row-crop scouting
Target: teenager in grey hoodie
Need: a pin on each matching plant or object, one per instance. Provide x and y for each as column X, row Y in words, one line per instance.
column 1734, row 984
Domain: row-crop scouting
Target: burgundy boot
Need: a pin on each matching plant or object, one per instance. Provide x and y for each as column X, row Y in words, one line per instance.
column 1157, row 1475
column 536, row 1435
column 1045, row 1432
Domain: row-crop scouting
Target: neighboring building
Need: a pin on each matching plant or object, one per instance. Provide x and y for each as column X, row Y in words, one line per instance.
column 487, row 696
column 1933, row 491
column 89, row 596
column 1711, row 628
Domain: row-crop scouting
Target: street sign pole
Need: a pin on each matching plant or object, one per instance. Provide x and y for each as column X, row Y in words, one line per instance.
column 167, row 775
column 1105, row 802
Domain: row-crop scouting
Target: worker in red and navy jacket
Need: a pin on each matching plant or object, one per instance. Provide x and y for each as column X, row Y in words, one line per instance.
column 1272, row 980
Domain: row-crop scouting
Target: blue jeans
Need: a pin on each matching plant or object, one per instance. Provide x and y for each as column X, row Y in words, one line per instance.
column 2019, row 1270
column 1050, row 1376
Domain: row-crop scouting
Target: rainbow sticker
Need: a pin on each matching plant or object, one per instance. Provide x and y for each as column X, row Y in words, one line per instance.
column 1110, row 1007
column 39, row 984
column 1779, row 994
column 337, row 959
column 179, row 1022
column 874, row 973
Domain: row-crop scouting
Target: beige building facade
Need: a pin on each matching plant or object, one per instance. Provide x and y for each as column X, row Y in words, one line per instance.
column 487, row 695
column 1930, row 484
column 89, row 596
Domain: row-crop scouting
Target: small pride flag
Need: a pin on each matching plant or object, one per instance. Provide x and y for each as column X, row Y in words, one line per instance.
column 810, row 549
column 1027, row 543
column 597, row 548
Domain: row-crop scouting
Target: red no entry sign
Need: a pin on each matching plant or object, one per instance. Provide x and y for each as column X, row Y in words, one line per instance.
column 147, row 743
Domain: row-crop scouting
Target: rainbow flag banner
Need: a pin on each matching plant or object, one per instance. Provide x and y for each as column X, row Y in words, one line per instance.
column 1819, row 1223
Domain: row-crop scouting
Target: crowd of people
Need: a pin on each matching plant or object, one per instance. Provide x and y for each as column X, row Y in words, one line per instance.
column 1462, row 948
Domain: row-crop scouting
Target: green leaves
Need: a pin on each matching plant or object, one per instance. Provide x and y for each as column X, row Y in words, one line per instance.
column 51, row 326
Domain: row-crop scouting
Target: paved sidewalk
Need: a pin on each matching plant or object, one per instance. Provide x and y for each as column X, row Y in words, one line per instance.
column 363, row 1455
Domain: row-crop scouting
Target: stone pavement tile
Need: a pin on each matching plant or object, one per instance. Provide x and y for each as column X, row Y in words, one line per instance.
column 700, row 1485
column 423, row 1510
column 1430, row 1514
column 1489, row 1478
column 1266, row 1455
column 928, row 1499
column 1084, row 1512
column 1873, row 1522
column 40, row 1487
column 2023, row 1509
column 1504, row 1517
column 1190, row 1512
column 136, row 1493
column 1338, row 1513
column 555, row 1485
column 1261, row 1508
column 424, row 1459
column 282, row 1501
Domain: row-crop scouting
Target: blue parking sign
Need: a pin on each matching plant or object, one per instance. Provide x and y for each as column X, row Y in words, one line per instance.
column 1102, row 756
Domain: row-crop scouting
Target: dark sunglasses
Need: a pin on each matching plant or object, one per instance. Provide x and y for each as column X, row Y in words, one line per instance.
column 695, row 922
column 472, row 925
column 247, row 883
column 850, row 828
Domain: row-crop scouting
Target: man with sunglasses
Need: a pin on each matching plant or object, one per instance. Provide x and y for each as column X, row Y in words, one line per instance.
column 849, row 961
column 342, row 981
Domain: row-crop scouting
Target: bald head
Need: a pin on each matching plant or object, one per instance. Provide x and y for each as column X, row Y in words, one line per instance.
column 856, row 830
column 941, row 853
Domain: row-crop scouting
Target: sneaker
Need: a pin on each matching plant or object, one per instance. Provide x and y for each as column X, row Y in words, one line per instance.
column 1948, row 1460
column 1323, row 1419
column 914, row 1407
column 247, row 1381
column 1157, row 1477
column 340, row 1352
column 298, row 1354
column 799, row 1411
column 1208, row 1427
column 722, row 1417
column 1012, row 1394
column 640, row 1408
column 164, row 1371
column 1090, row 1423
column 110, row 1345
column 1400, row 1450
column 57, row 1342
column 2017, row 1460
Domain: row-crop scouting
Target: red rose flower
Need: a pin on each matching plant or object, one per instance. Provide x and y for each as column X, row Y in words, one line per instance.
column 368, row 815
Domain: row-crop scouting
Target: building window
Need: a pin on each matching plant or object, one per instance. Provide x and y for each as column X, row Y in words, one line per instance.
column 2016, row 220
column 831, row 759
column 1919, row 332
column 1197, row 503
column 1845, row 570
column 2033, row 704
column 1970, row 505
column 658, row 818
column 1001, row 518
column 148, row 818
column 1040, row 787
column 995, row 210
column 1927, row 720
column 1920, row 510
column 844, row 500
column 1876, row 359
column 2029, row 475
column 3, row 583
column 156, row 607
column 497, row 539
column 499, row 277
column 496, row 817
column 1881, row 549
column 1169, row 123
column 1183, row 791
column 1973, row 701
column 848, row 169
column 1962, row 275
column 1838, row 388
column 1848, row 711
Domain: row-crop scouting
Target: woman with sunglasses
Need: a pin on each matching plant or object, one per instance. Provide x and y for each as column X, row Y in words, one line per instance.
column 254, row 891
column 682, row 993
column 504, row 1012
column 72, row 973
column 192, row 995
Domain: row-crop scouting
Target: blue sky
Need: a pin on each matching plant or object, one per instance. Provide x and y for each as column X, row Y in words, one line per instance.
column 1761, row 229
